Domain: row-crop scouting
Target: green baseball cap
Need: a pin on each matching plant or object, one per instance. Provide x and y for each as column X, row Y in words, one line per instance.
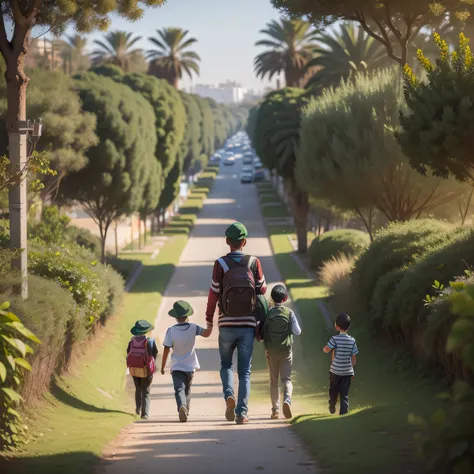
column 236, row 231
column 181, row 309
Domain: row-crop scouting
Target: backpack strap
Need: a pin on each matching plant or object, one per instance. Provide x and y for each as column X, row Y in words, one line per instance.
column 223, row 264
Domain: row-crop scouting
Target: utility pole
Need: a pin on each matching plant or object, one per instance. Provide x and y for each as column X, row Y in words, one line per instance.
column 18, row 201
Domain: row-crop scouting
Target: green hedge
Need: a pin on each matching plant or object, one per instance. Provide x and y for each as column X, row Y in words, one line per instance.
column 349, row 242
column 396, row 245
column 406, row 313
column 52, row 314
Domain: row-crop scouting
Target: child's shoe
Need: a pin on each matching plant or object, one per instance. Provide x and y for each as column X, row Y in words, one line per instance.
column 275, row 414
column 241, row 419
column 183, row 414
column 287, row 410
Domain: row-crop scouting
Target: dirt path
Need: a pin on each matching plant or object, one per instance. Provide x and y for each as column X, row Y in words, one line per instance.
column 207, row 443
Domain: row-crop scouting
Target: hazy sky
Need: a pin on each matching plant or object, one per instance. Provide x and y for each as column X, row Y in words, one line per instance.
column 226, row 31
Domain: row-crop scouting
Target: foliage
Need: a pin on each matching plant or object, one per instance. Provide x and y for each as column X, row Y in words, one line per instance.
column 13, row 363
column 342, row 53
column 116, row 48
column 348, row 242
column 290, row 46
column 397, row 245
column 192, row 136
column 74, row 54
column 51, row 313
column 406, row 313
column 74, row 275
column 84, row 238
column 171, row 57
column 350, row 157
column 335, row 269
column 447, row 438
column 393, row 23
column 437, row 130
column 53, row 226
column 112, row 183
column 172, row 184
column 276, row 137
column 222, row 125
column 207, row 126
column 68, row 131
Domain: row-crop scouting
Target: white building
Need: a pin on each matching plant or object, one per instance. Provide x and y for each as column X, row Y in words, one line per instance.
column 227, row 93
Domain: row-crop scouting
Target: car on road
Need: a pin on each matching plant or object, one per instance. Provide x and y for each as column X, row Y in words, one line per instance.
column 247, row 175
column 248, row 160
column 257, row 164
column 259, row 174
column 229, row 161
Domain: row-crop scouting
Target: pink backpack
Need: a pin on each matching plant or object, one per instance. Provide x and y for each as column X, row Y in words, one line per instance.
column 139, row 362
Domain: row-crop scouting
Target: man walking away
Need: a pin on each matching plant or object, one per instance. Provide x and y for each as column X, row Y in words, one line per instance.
column 237, row 279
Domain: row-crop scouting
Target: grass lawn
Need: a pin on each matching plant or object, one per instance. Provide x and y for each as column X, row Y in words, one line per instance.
column 87, row 407
column 126, row 264
column 270, row 197
column 375, row 437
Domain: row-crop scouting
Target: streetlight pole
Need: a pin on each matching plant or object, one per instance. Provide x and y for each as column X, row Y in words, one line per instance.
column 18, row 200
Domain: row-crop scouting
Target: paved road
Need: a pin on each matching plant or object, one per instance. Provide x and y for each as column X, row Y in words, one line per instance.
column 207, row 444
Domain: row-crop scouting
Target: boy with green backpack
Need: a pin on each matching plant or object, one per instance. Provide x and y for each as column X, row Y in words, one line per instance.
column 277, row 332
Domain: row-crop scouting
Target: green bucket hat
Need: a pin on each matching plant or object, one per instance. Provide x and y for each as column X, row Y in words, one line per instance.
column 181, row 309
column 141, row 327
column 236, row 231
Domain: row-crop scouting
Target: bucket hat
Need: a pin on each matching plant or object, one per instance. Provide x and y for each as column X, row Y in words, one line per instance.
column 141, row 327
column 181, row 309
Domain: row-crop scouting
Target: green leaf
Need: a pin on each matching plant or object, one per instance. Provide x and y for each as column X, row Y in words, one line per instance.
column 25, row 332
column 438, row 419
column 11, row 361
column 13, row 343
column 14, row 413
column 23, row 363
column 3, row 372
column 11, row 394
column 4, row 306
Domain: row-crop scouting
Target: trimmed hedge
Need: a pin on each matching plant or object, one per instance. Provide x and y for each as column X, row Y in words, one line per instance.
column 349, row 242
column 52, row 314
column 398, row 244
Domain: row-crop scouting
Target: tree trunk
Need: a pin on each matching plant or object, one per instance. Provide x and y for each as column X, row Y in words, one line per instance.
column 103, row 235
column 144, row 231
column 131, row 230
column 139, row 232
column 300, row 209
column 116, row 239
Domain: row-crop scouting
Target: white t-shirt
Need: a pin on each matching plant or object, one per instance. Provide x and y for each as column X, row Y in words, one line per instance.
column 182, row 339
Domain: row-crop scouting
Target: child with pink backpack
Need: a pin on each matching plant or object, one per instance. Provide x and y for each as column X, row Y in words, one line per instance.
column 141, row 362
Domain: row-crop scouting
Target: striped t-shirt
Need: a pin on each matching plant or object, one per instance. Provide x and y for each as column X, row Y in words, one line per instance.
column 344, row 347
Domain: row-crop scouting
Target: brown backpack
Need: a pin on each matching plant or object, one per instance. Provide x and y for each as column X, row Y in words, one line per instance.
column 238, row 295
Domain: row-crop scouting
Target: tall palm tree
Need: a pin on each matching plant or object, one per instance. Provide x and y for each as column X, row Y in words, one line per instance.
column 73, row 53
column 116, row 49
column 290, row 47
column 345, row 51
column 171, row 57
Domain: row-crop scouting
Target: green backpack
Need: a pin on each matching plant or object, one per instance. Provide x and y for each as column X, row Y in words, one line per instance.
column 277, row 335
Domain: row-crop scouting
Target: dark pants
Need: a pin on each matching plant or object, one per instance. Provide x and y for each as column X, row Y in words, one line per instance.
column 182, row 387
column 339, row 386
column 142, row 394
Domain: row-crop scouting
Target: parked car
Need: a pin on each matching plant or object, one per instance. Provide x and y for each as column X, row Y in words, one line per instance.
column 247, row 175
column 257, row 164
column 259, row 174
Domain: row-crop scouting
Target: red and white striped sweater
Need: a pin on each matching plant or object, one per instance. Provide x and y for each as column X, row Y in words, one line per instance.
column 216, row 287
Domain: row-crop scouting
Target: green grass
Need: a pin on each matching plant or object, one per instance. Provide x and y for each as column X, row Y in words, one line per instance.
column 384, row 392
column 76, row 420
column 270, row 197
column 280, row 211
column 125, row 264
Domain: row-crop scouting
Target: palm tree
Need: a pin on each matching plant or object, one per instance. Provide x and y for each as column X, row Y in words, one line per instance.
column 344, row 52
column 116, row 49
column 291, row 44
column 171, row 58
column 74, row 55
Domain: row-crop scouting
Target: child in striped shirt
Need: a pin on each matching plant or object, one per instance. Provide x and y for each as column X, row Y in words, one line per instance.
column 342, row 367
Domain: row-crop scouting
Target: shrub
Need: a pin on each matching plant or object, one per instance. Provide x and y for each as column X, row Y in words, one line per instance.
column 53, row 226
column 406, row 312
column 84, row 238
column 13, row 363
column 76, row 275
column 349, row 242
column 396, row 245
column 52, row 314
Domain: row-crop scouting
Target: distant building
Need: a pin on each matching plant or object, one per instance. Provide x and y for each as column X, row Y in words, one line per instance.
column 229, row 92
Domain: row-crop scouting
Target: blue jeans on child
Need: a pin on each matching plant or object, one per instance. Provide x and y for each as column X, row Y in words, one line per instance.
column 240, row 338
column 182, row 387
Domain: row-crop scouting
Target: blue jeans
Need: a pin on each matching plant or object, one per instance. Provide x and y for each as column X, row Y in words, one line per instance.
column 229, row 339
column 182, row 387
